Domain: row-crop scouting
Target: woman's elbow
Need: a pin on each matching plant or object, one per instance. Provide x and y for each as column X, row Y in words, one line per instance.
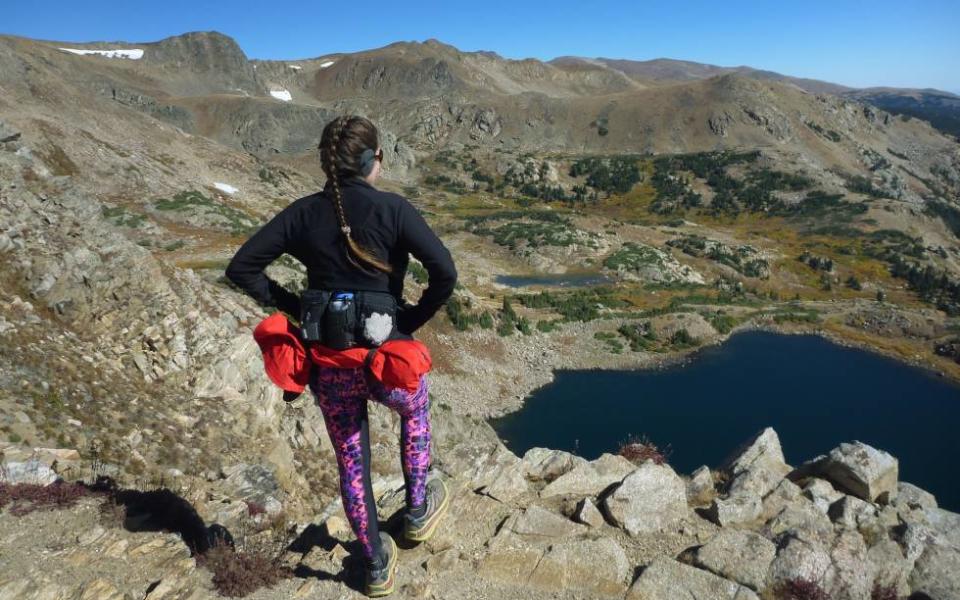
column 449, row 279
column 233, row 272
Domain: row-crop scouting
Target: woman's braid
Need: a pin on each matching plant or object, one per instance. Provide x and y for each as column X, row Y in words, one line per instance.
column 345, row 137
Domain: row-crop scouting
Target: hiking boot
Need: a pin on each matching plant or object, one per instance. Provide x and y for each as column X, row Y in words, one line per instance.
column 380, row 580
column 420, row 529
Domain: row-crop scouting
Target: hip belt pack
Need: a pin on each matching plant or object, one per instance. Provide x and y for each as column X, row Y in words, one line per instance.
column 347, row 319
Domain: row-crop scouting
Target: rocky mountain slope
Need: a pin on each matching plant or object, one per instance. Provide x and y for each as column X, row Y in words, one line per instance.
column 942, row 109
column 126, row 184
column 665, row 71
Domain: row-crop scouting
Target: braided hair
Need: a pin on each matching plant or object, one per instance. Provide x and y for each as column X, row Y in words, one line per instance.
column 342, row 144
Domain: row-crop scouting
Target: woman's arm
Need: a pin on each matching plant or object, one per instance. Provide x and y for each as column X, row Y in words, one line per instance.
column 265, row 246
column 418, row 239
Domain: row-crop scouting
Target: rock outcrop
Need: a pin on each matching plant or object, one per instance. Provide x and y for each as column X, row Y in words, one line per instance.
column 859, row 469
column 668, row 579
column 649, row 499
column 650, row 546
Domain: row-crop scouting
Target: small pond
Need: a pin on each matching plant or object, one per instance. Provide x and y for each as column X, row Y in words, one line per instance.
column 559, row 280
column 815, row 393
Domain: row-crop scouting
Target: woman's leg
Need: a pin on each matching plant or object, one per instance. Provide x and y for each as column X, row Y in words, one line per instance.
column 414, row 410
column 342, row 396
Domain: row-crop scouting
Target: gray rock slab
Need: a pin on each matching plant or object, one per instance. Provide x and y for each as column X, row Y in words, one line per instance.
column 667, row 579
column 738, row 555
column 650, row 499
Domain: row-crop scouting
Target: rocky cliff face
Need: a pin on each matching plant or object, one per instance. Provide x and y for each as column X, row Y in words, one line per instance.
column 202, row 63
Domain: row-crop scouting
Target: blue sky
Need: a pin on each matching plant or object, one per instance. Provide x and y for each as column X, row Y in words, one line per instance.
column 857, row 43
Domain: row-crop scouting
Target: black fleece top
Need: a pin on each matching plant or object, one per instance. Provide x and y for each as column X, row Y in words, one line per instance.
column 382, row 222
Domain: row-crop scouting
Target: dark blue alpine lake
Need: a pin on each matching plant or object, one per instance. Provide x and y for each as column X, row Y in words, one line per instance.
column 815, row 393
column 561, row 280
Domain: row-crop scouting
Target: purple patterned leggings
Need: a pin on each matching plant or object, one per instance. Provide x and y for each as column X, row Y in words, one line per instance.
column 342, row 397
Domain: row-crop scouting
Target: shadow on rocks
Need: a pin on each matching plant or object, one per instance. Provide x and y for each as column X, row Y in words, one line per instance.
column 163, row 510
column 352, row 570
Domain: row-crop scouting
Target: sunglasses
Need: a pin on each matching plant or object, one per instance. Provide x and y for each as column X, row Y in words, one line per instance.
column 379, row 155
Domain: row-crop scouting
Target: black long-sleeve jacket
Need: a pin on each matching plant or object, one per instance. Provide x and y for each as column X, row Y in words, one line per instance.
column 381, row 222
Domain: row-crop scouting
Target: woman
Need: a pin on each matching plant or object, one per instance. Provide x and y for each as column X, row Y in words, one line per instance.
column 353, row 237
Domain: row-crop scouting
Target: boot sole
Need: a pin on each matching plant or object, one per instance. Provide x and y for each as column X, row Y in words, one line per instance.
column 385, row 589
column 426, row 532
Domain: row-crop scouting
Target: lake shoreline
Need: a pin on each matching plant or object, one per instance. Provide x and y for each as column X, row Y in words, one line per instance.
column 816, row 392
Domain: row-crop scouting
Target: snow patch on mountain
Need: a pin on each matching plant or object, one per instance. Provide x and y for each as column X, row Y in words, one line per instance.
column 132, row 53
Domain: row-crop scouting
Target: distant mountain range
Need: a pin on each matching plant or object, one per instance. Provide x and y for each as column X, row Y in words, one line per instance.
column 430, row 97
column 940, row 107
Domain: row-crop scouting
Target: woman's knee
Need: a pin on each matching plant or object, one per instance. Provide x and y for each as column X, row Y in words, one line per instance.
column 401, row 400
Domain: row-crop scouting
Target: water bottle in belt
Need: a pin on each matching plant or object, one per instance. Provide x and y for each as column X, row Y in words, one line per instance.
column 341, row 301
column 339, row 322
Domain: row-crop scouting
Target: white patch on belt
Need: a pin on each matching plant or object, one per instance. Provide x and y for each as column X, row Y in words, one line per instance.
column 377, row 327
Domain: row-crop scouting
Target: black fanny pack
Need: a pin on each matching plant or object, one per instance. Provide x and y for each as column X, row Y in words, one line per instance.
column 344, row 319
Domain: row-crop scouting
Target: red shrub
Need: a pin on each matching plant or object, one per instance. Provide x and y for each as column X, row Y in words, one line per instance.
column 24, row 498
column 801, row 589
column 237, row 574
column 640, row 449
column 255, row 508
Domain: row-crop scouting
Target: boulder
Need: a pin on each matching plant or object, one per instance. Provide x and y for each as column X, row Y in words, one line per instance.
column 887, row 561
column 7, row 133
column 852, row 512
column 913, row 539
column 508, row 484
column 758, row 466
column 800, row 516
column 741, row 508
column 59, row 460
column 945, row 524
column 543, row 464
column 667, row 579
column 588, row 514
column 650, row 499
column 914, row 497
column 889, row 516
column 821, row 493
column 538, row 523
column 486, row 468
column 590, row 479
column 29, row 471
column 936, row 573
column 861, row 470
column 510, row 564
column 784, row 494
column 599, row 567
column 853, row 576
column 740, row 556
column 254, row 483
column 802, row 559
column 700, row 488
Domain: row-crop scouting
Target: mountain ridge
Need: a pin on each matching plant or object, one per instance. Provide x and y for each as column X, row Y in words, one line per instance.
column 435, row 42
column 455, row 70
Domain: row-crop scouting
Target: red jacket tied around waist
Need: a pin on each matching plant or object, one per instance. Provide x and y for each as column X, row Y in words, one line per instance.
column 396, row 363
